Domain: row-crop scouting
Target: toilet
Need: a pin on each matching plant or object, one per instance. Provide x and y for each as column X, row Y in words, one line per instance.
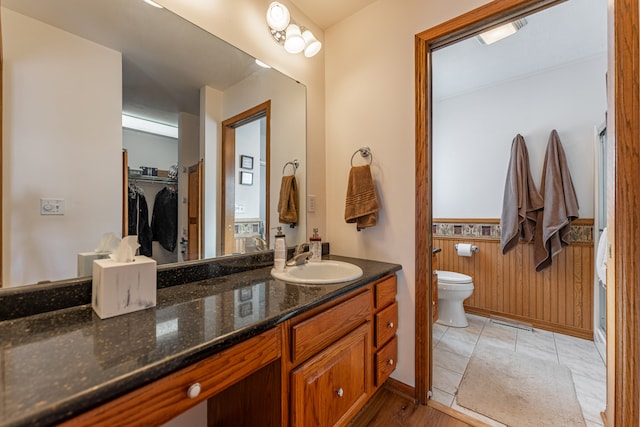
column 453, row 289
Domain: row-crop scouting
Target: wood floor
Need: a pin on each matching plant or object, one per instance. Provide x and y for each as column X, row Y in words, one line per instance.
column 388, row 409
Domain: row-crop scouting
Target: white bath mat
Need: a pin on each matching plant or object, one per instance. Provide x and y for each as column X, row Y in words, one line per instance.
column 518, row 390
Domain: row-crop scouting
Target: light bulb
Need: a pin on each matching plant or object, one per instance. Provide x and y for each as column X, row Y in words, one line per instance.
column 312, row 45
column 278, row 16
column 294, row 43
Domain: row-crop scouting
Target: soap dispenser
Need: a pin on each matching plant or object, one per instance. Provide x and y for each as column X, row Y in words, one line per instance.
column 315, row 247
column 280, row 251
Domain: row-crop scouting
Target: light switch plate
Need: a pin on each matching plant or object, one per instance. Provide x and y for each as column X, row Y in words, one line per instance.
column 311, row 203
column 50, row 206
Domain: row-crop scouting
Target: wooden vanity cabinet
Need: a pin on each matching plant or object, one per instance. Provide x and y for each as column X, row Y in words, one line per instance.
column 329, row 368
column 339, row 354
column 164, row 399
column 316, row 369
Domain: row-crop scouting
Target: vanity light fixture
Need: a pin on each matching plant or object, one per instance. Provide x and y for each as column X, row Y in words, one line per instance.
column 154, row 4
column 293, row 37
column 501, row 32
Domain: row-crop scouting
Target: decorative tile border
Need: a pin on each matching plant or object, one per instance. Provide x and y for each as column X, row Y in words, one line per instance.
column 580, row 233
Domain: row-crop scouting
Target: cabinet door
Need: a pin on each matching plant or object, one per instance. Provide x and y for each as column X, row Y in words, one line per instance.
column 332, row 386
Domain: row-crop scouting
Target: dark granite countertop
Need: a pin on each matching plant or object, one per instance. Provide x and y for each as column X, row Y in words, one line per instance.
column 58, row 364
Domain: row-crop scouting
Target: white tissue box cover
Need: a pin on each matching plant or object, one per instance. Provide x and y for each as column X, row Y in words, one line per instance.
column 123, row 287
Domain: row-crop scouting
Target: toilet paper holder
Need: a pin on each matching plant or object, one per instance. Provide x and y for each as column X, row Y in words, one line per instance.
column 474, row 248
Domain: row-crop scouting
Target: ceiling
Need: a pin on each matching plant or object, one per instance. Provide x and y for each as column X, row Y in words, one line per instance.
column 566, row 33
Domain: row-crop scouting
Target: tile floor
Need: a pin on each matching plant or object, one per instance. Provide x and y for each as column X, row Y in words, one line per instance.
column 453, row 348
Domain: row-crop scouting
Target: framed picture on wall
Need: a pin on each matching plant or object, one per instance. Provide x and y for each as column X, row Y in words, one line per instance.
column 246, row 162
column 246, row 178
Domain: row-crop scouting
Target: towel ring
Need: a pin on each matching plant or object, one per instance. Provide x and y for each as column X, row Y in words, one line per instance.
column 294, row 164
column 364, row 152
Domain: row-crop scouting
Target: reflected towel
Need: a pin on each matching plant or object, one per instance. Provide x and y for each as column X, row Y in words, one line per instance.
column 361, row 205
column 288, row 202
column 521, row 200
column 560, row 205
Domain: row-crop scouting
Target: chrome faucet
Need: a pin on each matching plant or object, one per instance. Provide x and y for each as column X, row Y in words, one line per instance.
column 261, row 244
column 299, row 255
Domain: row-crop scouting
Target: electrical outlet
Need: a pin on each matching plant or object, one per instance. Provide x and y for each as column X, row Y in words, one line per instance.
column 50, row 206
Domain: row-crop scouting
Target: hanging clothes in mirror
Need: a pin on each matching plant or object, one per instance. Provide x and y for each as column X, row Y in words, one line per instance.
column 164, row 221
column 138, row 219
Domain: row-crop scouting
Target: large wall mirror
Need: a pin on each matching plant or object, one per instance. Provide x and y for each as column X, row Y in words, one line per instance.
column 71, row 70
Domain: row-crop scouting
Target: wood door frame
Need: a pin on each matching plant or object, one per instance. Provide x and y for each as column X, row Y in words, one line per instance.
column 1, row 160
column 198, row 169
column 623, row 132
column 228, row 157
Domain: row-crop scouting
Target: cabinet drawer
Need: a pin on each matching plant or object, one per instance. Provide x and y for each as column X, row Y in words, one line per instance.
column 386, row 291
column 316, row 333
column 332, row 386
column 162, row 400
column 385, row 361
column 386, row 324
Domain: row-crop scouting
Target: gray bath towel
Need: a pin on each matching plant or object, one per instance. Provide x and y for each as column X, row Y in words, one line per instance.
column 521, row 201
column 560, row 205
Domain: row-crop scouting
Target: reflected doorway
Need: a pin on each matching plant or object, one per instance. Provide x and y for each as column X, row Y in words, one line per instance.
column 245, row 181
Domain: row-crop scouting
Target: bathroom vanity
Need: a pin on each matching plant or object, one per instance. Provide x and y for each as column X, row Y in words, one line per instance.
column 260, row 352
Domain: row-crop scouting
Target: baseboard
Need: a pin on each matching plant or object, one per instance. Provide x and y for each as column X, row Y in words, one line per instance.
column 398, row 387
column 538, row 324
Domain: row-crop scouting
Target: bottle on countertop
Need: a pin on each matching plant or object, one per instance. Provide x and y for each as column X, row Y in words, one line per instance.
column 315, row 247
column 280, row 251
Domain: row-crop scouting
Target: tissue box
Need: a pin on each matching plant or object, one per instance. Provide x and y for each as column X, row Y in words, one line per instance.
column 123, row 287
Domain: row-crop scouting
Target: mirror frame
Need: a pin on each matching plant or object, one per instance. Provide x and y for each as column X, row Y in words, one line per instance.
column 623, row 127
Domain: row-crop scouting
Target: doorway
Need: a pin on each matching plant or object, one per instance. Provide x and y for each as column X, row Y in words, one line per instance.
column 245, row 181
column 622, row 378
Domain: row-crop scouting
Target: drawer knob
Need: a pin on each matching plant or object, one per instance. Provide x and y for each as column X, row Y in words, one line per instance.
column 390, row 325
column 194, row 390
column 340, row 392
column 390, row 362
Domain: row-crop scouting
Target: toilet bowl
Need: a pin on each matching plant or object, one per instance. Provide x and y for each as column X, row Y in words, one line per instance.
column 453, row 289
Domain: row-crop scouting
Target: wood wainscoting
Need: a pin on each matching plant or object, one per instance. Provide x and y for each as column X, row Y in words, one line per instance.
column 558, row 299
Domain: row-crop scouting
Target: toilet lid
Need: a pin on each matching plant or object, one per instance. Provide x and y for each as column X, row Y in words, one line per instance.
column 452, row 277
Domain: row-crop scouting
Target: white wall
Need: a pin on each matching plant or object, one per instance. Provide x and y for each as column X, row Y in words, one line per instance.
column 147, row 149
column 370, row 101
column 247, row 197
column 472, row 136
column 210, row 150
column 42, row 145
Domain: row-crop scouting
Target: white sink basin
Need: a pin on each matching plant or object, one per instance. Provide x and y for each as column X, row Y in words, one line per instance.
column 323, row 272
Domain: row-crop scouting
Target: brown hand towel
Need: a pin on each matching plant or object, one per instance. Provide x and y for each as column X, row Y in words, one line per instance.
column 361, row 204
column 288, row 202
column 560, row 205
column 521, row 199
